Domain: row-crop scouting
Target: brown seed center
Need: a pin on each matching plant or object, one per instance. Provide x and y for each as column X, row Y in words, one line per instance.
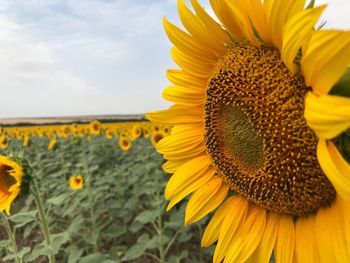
column 257, row 136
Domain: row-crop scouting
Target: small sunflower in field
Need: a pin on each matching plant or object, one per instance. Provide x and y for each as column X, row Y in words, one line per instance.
column 124, row 142
column 109, row 133
column 95, row 128
column 146, row 132
column 11, row 174
column 4, row 141
column 52, row 143
column 76, row 182
column 258, row 130
column 157, row 136
column 26, row 140
column 64, row 131
column 136, row 131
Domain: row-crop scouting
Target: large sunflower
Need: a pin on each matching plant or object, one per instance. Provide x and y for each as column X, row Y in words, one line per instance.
column 257, row 130
column 11, row 175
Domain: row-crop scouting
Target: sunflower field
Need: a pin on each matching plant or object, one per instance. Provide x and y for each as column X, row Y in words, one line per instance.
column 92, row 193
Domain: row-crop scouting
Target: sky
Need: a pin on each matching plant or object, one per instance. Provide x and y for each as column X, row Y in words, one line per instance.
column 90, row 57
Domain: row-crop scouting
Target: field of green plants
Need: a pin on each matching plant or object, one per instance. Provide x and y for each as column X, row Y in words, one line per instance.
column 117, row 216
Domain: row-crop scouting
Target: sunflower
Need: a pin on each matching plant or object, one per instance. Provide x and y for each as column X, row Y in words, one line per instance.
column 4, row 141
column 157, row 136
column 76, row 182
column 136, row 131
column 11, row 175
column 52, row 144
column 109, row 133
column 257, row 130
column 95, row 128
column 124, row 142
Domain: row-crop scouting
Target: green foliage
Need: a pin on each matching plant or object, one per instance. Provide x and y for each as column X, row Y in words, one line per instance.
column 118, row 216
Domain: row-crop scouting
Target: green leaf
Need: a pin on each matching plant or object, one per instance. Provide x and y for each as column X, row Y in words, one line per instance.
column 23, row 218
column 58, row 200
column 74, row 254
column 93, row 258
column 146, row 216
column 57, row 240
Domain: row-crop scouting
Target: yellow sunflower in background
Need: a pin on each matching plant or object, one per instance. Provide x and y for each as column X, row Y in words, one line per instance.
column 52, row 144
column 124, row 142
column 76, row 182
column 136, row 131
column 157, row 136
column 257, row 130
column 95, row 128
column 109, row 133
column 11, row 175
column 4, row 141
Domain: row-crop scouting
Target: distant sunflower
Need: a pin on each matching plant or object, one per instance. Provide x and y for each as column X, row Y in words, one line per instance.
column 52, row 144
column 124, row 142
column 257, row 126
column 146, row 132
column 95, row 128
column 136, row 131
column 157, row 136
column 11, row 175
column 76, row 182
column 4, row 141
column 109, row 133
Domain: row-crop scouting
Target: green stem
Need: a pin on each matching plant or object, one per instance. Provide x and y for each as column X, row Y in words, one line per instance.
column 160, row 231
column 11, row 237
column 42, row 216
column 91, row 203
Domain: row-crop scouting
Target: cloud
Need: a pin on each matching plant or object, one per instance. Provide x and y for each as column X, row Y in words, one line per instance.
column 80, row 57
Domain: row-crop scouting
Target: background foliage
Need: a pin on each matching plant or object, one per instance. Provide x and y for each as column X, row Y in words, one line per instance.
column 118, row 216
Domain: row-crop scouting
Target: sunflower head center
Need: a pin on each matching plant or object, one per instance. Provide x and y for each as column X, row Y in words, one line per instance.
column 240, row 140
column 6, row 180
column 257, row 136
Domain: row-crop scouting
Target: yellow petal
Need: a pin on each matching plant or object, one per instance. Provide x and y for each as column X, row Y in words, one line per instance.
column 242, row 13
column 190, row 187
column 211, row 233
column 184, row 95
column 306, row 249
column 325, row 59
column 324, row 232
column 277, row 14
column 205, row 199
column 264, row 251
column 186, row 43
column 284, row 247
column 197, row 29
column 177, row 115
column 213, row 27
column 327, row 115
column 232, row 221
column 181, row 145
column 227, row 18
column 190, row 172
column 184, row 79
column 296, row 32
column 172, row 166
column 192, row 66
column 248, row 235
column 335, row 167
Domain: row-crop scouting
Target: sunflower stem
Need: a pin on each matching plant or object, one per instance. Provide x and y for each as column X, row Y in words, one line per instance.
column 43, row 217
column 11, row 236
column 91, row 203
column 160, row 231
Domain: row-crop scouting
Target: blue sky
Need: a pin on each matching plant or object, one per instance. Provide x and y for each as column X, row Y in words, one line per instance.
column 77, row 57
